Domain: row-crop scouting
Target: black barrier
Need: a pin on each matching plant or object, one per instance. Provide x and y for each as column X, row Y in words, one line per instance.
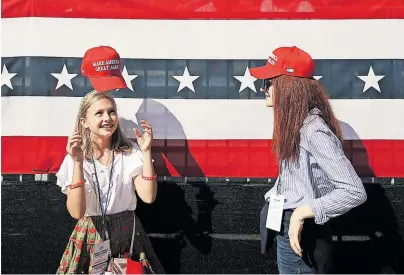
column 199, row 227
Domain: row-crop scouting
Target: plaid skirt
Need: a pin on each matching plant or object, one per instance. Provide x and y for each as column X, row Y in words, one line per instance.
column 78, row 255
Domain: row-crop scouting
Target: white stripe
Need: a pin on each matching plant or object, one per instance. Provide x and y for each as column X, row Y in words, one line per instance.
column 197, row 119
column 203, row 39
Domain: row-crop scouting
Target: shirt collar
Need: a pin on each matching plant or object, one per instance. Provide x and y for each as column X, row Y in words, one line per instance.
column 312, row 115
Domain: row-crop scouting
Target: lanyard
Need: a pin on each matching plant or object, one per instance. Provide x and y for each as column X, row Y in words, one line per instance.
column 277, row 186
column 104, row 211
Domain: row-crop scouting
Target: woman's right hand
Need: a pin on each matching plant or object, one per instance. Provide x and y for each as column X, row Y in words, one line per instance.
column 74, row 147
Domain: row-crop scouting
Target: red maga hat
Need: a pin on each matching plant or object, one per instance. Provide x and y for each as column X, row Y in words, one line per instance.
column 102, row 66
column 286, row 61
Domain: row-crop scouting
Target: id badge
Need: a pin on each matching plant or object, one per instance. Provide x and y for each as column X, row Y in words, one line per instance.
column 101, row 253
column 100, row 269
column 275, row 211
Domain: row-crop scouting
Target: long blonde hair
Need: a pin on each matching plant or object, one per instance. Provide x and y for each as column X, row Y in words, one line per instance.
column 119, row 142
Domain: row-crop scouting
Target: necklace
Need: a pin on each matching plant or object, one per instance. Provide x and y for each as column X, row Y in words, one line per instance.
column 104, row 211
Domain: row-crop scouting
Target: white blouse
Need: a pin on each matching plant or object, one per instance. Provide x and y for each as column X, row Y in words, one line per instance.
column 122, row 191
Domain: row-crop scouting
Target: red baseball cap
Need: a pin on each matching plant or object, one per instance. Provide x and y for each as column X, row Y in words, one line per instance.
column 102, row 66
column 286, row 61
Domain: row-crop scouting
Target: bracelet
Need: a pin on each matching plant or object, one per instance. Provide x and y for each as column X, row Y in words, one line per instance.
column 149, row 178
column 78, row 184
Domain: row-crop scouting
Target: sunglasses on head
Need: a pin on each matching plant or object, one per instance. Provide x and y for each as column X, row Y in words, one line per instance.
column 266, row 83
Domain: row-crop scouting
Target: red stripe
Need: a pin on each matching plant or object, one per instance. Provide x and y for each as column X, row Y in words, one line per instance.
column 213, row 158
column 205, row 9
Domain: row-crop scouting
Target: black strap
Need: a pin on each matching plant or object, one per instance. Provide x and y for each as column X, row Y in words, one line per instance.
column 103, row 212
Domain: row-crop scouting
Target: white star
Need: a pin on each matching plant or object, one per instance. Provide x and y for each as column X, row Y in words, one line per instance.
column 247, row 81
column 185, row 80
column 64, row 78
column 317, row 77
column 128, row 78
column 6, row 77
column 371, row 80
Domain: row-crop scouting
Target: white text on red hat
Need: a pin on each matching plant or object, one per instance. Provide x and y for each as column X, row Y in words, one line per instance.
column 102, row 65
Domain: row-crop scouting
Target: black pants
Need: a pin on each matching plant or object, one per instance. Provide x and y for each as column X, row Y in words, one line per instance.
column 316, row 242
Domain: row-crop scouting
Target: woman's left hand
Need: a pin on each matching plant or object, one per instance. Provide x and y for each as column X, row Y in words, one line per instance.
column 145, row 140
column 295, row 228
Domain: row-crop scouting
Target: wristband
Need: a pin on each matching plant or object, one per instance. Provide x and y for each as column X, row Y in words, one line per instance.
column 78, row 184
column 149, row 178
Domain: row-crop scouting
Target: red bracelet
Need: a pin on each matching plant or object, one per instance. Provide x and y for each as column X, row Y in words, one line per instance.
column 78, row 184
column 149, row 178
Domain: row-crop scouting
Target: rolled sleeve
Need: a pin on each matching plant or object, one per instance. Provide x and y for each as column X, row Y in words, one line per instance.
column 348, row 191
column 65, row 174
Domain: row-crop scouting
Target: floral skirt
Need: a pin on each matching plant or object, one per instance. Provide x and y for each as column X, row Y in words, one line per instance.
column 78, row 255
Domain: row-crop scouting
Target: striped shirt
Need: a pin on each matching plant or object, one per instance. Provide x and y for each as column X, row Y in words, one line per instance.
column 322, row 177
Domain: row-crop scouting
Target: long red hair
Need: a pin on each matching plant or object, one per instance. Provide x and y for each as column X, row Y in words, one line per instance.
column 294, row 97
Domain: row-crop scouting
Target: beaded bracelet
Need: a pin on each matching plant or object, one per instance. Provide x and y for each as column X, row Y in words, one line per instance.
column 78, row 184
column 149, row 178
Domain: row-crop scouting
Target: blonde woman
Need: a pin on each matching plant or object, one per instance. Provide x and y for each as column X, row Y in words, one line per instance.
column 100, row 175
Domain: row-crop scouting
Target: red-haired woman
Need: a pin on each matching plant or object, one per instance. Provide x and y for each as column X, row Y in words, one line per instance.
column 316, row 181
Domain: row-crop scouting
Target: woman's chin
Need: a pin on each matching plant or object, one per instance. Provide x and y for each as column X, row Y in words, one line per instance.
column 104, row 134
column 268, row 103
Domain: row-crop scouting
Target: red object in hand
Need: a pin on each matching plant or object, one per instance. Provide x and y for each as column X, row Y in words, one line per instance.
column 134, row 267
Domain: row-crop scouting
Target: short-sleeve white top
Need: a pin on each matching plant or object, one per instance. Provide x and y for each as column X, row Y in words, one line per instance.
column 122, row 195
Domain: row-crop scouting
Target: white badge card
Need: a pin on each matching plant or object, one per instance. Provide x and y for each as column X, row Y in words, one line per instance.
column 101, row 252
column 275, row 212
column 100, row 268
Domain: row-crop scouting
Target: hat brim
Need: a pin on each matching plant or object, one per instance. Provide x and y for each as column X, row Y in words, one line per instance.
column 264, row 72
column 107, row 83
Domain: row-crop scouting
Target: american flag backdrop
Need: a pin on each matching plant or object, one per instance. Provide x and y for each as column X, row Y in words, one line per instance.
column 186, row 66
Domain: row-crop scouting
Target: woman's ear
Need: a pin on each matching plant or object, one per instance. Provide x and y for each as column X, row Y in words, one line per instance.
column 83, row 122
